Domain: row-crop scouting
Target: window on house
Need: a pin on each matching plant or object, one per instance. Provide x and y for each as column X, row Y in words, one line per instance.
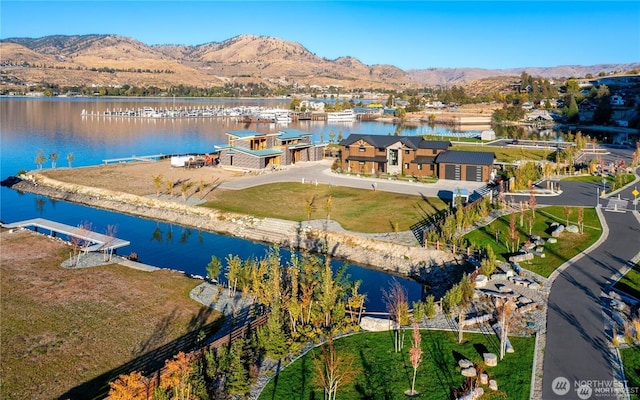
column 419, row 167
column 361, row 162
column 406, row 165
column 361, row 149
column 434, row 151
column 393, row 157
column 407, row 151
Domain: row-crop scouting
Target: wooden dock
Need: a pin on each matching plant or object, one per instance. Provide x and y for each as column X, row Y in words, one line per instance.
column 97, row 241
column 153, row 157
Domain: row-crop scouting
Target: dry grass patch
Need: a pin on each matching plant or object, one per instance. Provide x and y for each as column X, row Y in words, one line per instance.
column 68, row 332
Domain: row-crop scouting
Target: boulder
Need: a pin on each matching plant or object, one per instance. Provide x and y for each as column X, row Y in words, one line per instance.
column 524, row 300
column 473, row 395
column 572, row 229
column 376, row 324
column 490, row 359
column 557, row 231
column 464, row 363
column 469, row 372
column 481, row 281
column 493, row 385
column 534, row 238
column 552, row 240
column 521, row 257
column 484, row 379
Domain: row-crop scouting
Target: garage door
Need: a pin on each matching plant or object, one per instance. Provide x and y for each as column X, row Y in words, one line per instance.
column 452, row 172
column 474, row 173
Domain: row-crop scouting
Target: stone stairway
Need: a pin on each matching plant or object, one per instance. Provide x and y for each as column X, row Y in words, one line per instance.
column 273, row 230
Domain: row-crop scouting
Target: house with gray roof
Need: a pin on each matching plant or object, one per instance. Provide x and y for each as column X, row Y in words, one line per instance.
column 413, row 156
column 248, row 149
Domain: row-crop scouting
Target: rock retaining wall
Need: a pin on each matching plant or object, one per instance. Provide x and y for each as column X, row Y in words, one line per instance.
column 399, row 259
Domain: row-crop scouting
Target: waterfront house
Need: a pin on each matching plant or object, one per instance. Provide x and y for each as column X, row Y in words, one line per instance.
column 413, row 156
column 409, row 155
column 248, row 149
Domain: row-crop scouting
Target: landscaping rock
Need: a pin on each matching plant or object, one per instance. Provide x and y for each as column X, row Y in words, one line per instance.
column 524, row 300
column 484, row 379
column 490, row 359
column 572, row 229
column 469, row 372
column 534, row 238
column 499, row 276
column 521, row 257
column 473, row 395
column 376, row 324
column 464, row 363
column 557, row 231
column 493, row 385
column 552, row 240
column 481, row 281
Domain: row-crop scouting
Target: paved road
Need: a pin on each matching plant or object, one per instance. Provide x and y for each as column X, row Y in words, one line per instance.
column 577, row 347
column 320, row 172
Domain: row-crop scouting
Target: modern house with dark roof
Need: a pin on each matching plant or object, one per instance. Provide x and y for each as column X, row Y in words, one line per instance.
column 410, row 155
column 413, row 155
column 248, row 149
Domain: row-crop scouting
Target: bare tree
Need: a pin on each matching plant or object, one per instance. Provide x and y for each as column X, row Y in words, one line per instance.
column 40, row 158
column 581, row 219
column 70, row 158
column 333, row 370
column 504, row 308
column 54, row 159
column 157, row 182
column 398, row 307
column 415, row 356
column 110, row 232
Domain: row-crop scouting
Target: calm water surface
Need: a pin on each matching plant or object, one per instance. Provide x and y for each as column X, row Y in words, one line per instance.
column 56, row 125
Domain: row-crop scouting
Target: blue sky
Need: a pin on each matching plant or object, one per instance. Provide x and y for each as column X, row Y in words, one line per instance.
column 407, row 34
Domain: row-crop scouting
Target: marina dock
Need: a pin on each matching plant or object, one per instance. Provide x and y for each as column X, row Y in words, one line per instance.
column 97, row 241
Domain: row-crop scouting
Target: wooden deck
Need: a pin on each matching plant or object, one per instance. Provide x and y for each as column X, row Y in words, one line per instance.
column 97, row 241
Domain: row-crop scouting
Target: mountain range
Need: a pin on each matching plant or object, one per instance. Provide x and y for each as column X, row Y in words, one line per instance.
column 245, row 59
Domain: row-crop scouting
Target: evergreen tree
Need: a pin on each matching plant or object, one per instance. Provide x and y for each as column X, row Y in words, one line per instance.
column 572, row 112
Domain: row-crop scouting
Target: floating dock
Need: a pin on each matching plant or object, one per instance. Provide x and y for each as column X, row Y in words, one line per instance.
column 97, row 241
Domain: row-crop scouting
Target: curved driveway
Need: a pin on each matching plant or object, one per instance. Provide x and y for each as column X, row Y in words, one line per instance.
column 577, row 348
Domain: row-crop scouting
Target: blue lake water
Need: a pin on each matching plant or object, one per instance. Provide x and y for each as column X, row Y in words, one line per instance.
column 28, row 126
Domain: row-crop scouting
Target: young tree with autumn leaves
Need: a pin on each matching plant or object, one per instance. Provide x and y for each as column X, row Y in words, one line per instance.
column 397, row 303
column 415, row 356
column 332, row 370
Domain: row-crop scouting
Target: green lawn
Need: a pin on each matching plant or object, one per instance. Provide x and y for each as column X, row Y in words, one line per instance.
column 630, row 282
column 613, row 183
column 509, row 154
column 568, row 245
column 355, row 209
column 631, row 362
column 384, row 374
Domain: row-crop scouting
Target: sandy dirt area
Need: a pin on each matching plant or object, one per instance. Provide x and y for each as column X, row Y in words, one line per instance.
column 138, row 178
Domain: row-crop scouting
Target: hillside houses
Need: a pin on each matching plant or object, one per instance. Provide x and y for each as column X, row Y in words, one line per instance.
column 414, row 156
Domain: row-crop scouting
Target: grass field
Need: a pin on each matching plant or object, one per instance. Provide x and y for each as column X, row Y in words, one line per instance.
column 611, row 180
column 631, row 362
column 67, row 333
column 355, row 209
column 384, row 374
column 509, row 154
column 568, row 245
column 630, row 282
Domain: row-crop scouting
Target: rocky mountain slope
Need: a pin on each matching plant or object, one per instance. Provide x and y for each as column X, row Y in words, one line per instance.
column 118, row 60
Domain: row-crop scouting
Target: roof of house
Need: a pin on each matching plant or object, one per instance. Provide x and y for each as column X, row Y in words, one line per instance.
column 255, row 153
column 466, row 157
column 423, row 160
column 370, row 159
column 288, row 134
column 383, row 141
column 248, row 134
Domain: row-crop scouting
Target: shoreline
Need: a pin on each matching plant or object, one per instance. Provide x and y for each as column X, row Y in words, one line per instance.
column 402, row 260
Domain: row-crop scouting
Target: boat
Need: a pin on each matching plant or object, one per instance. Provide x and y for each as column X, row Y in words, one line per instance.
column 341, row 116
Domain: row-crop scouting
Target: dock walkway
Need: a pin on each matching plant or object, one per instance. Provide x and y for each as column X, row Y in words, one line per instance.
column 97, row 241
